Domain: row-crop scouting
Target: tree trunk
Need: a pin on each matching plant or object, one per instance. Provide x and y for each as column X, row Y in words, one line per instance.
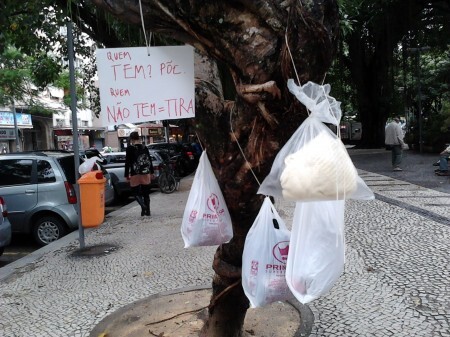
column 247, row 39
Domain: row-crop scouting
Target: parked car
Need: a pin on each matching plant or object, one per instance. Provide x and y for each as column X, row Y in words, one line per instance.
column 184, row 154
column 38, row 188
column 114, row 163
column 5, row 226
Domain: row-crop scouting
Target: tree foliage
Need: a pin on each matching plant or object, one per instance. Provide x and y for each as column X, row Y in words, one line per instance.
column 14, row 76
column 373, row 50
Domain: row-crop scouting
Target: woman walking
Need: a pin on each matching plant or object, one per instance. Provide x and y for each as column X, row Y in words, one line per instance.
column 139, row 171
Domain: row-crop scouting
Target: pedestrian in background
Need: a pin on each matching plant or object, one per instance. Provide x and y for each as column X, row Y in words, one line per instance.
column 139, row 171
column 394, row 139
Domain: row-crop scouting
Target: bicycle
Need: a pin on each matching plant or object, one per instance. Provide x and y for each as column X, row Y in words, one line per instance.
column 167, row 180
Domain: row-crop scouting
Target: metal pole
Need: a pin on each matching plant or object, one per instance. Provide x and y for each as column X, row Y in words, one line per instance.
column 166, row 130
column 420, row 100
column 16, row 129
column 73, row 108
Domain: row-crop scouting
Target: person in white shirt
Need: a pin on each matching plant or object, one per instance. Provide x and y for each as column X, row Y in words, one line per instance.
column 394, row 139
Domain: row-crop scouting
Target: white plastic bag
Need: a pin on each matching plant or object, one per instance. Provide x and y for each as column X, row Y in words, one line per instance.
column 264, row 258
column 206, row 220
column 88, row 165
column 316, row 250
column 314, row 164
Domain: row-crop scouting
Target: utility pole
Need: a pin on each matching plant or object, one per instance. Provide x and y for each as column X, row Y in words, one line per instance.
column 166, row 130
column 73, row 107
column 16, row 129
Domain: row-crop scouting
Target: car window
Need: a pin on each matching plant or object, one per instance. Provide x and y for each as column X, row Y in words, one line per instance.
column 116, row 158
column 15, row 172
column 45, row 173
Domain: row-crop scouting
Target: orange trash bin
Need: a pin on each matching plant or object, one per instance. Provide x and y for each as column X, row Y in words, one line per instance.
column 92, row 198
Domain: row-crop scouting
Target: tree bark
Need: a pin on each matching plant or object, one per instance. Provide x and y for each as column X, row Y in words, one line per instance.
column 246, row 40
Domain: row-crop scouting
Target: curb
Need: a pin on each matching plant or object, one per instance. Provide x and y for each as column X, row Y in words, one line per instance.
column 306, row 316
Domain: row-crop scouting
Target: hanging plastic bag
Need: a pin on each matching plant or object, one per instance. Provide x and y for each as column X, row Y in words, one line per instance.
column 320, row 170
column 206, row 220
column 314, row 164
column 88, row 165
column 264, row 258
column 316, row 250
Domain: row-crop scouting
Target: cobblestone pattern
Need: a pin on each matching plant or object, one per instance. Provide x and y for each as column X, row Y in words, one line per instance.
column 396, row 280
column 61, row 295
column 430, row 200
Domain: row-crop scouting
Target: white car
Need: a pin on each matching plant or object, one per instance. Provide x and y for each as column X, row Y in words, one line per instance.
column 5, row 226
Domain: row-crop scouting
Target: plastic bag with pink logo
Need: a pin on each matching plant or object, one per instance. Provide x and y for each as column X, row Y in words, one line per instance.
column 264, row 258
column 206, row 220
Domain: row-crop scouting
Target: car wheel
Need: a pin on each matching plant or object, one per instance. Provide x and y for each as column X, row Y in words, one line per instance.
column 48, row 229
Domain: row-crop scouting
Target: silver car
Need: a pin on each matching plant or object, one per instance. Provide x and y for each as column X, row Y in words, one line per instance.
column 38, row 188
column 5, row 226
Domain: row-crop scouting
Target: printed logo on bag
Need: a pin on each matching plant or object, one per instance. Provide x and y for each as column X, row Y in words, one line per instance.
column 214, row 206
column 192, row 216
column 213, row 202
column 254, row 268
column 280, row 251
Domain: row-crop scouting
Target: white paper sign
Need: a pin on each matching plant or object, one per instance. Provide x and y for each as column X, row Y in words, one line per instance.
column 137, row 87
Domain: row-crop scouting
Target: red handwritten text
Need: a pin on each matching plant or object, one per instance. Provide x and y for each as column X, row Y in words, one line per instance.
column 179, row 106
column 119, row 92
column 117, row 113
column 121, row 55
column 128, row 71
column 168, row 68
column 173, row 107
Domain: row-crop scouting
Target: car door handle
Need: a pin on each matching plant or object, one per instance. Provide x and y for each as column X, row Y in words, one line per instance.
column 30, row 191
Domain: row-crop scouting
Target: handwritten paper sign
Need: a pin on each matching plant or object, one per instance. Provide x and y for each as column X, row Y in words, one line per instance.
column 137, row 87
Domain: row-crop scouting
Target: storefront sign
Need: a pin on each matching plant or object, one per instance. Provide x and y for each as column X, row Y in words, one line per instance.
column 146, row 84
column 7, row 119
column 7, row 134
column 64, row 138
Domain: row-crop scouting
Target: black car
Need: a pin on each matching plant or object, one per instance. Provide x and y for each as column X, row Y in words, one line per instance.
column 182, row 153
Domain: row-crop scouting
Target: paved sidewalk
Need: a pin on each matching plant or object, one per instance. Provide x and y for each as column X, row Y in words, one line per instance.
column 396, row 280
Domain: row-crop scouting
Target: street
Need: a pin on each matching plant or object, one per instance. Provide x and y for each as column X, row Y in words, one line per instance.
column 22, row 245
